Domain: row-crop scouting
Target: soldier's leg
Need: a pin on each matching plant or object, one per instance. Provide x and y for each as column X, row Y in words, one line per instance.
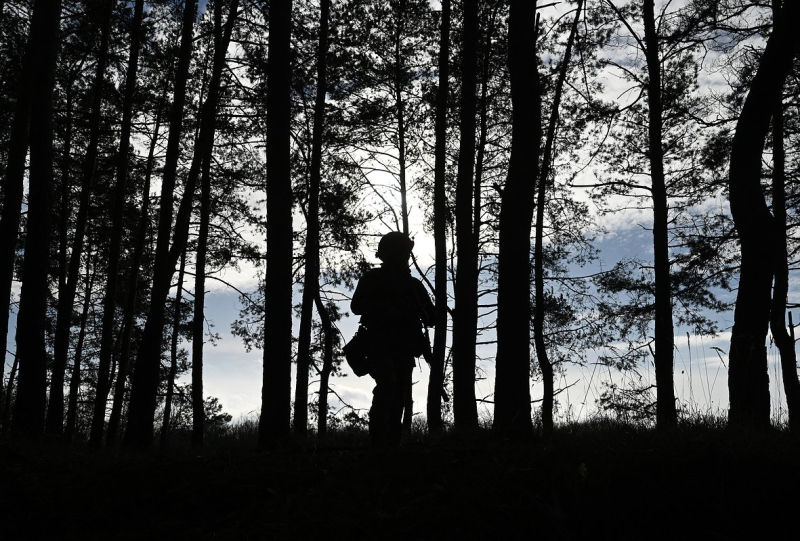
column 383, row 373
column 403, row 367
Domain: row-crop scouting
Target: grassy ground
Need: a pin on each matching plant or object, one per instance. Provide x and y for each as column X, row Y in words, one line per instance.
column 598, row 480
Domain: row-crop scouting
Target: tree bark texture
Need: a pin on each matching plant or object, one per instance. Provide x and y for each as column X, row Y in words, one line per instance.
column 311, row 282
column 465, row 315
column 29, row 408
column 748, row 378
column 512, row 413
column 112, row 276
column 538, row 272
column 434, row 399
column 276, row 389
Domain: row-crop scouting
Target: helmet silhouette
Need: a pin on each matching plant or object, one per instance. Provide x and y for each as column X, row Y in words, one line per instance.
column 393, row 245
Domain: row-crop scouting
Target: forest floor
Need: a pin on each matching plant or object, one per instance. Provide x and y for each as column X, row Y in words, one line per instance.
column 590, row 481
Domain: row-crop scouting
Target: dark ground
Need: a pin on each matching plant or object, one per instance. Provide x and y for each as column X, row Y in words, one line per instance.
column 590, row 482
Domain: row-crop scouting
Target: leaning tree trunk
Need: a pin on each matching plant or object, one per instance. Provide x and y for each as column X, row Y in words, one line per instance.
column 115, row 242
column 29, row 408
column 783, row 339
column 434, row 403
column 139, row 431
column 311, row 282
column 276, row 391
column 465, row 315
column 129, row 309
column 748, row 376
column 66, row 302
column 512, row 411
column 538, row 271
column 173, row 354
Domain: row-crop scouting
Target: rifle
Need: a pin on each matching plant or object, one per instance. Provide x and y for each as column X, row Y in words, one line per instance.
column 427, row 354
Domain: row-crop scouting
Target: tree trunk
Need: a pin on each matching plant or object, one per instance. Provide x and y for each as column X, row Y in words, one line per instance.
column 144, row 387
column 434, row 403
column 311, row 282
column 748, row 378
column 9, row 393
column 129, row 309
column 173, row 354
column 465, row 316
column 512, row 412
column 327, row 366
column 75, row 376
column 783, row 339
column 15, row 171
column 538, row 271
column 66, row 302
column 276, row 390
column 109, row 304
column 29, row 408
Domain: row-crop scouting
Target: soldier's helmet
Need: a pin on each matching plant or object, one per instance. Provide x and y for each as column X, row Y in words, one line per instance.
column 393, row 246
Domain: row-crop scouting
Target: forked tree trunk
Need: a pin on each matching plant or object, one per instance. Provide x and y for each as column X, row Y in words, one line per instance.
column 748, row 378
column 538, row 272
column 434, row 403
column 311, row 282
column 139, row 431
column 465, row 315
column 274, row 423
column 29, row 408
column 115, row 243
column 129, row 309
column 512, row 412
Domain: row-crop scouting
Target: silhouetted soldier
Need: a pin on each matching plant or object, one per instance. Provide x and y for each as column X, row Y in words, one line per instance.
column 393, row 306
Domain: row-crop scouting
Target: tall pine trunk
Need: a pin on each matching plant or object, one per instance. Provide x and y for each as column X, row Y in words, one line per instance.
column 139, row 432
column 465, row 315
column 783, row 339
column 311, row 282
column 29, row 408
column 66, row 302
column 748, row 378
column 327, row 366
column 512, row 412
column 276, row 390
column 115, row 242
column 538, row 270
column 434, row 402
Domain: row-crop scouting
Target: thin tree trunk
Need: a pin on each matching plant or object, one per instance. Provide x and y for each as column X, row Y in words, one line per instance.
column 783, row 340
column 274, row 423
column 29, row 408
column 512, row 412
column 129, row 309
column 109, row 304
column 55, row 411
column 748, row 376
column 75, row 376
column 434, row 403
column 173, row 354
column 465, row 316
column 144, row 387
column 9, row 393
column 327, row 366
column 538, row 316
column 311, row 283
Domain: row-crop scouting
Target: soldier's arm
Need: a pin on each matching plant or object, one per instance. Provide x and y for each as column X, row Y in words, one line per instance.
column 362, row 296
